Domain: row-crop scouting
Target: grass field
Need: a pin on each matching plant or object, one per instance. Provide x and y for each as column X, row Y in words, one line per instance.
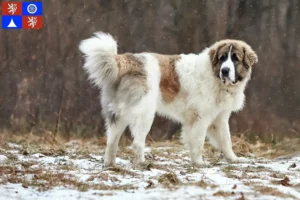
column 45, row 168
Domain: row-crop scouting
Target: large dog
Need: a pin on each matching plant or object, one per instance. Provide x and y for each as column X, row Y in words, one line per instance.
column 198, row 90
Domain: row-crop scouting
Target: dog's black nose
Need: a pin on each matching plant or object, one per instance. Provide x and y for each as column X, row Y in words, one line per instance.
column 225, row 71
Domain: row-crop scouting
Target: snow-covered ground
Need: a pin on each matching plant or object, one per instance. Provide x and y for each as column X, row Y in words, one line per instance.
column 78, row 173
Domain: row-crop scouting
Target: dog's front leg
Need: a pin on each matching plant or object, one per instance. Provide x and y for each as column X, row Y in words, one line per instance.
column 193, row 135
column 219, row 136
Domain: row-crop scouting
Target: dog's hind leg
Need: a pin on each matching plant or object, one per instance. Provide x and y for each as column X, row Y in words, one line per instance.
column 113, row 132
column 140, row 127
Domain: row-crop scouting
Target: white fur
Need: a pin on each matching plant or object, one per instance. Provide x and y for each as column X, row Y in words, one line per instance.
column 101, row 42
column 201, row 93
column 229, row 64
column 100, row 51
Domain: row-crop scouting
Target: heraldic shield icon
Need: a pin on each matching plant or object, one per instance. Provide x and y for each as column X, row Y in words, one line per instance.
column 22, row 15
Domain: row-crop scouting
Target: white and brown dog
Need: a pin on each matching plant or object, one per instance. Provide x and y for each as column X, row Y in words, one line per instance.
column 198, row 90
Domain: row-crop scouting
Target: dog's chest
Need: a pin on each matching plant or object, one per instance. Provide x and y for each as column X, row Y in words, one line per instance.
column 229, row 101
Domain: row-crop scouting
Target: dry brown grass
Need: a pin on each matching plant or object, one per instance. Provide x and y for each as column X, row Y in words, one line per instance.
column 169, row 180
column 51, row 145
column 4, row 169
column 120, row 170
column 270, row 191
column 205, row 185
column 285, row 181
column 286, row 147
column 241, row 146
column 43, row 179
column 223, row 193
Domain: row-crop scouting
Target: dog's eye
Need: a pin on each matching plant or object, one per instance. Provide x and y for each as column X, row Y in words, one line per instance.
column 239, row 78
column 234, row 57
column 223, row 57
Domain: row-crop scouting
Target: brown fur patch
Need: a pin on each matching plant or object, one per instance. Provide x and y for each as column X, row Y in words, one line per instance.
column 169, row 82
column 212, row 127
column 132, row 71
column 192, row 116
column 132, row 81
column 128, row 63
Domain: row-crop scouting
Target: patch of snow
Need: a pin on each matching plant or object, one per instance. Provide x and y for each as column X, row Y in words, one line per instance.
column 287, row 190
column 281, row 165
column 84, row 164
column 164, row 148
column 3, row 158
column 96, row 157
column 14, row 146
column 34, row 167
column 37, row 155
column 121, row 161
column 213, row 175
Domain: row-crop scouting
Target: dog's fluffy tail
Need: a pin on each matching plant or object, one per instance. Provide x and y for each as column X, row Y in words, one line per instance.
column 100, row 63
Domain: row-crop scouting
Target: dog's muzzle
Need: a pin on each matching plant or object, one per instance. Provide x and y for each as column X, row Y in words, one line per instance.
column 225, row 76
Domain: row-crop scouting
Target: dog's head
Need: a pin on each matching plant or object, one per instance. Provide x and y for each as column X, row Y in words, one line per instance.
column 232, row 61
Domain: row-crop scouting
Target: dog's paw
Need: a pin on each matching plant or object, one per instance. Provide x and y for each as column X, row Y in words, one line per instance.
column 200, row 163
column 108, row 161
column 240, row 160
column 108, row 164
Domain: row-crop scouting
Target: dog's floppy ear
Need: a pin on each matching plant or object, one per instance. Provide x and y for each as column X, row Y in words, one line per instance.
column 250, row 57
column 213, row 54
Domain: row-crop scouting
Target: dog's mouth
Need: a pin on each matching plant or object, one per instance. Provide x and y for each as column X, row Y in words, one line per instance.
column 227, row 81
